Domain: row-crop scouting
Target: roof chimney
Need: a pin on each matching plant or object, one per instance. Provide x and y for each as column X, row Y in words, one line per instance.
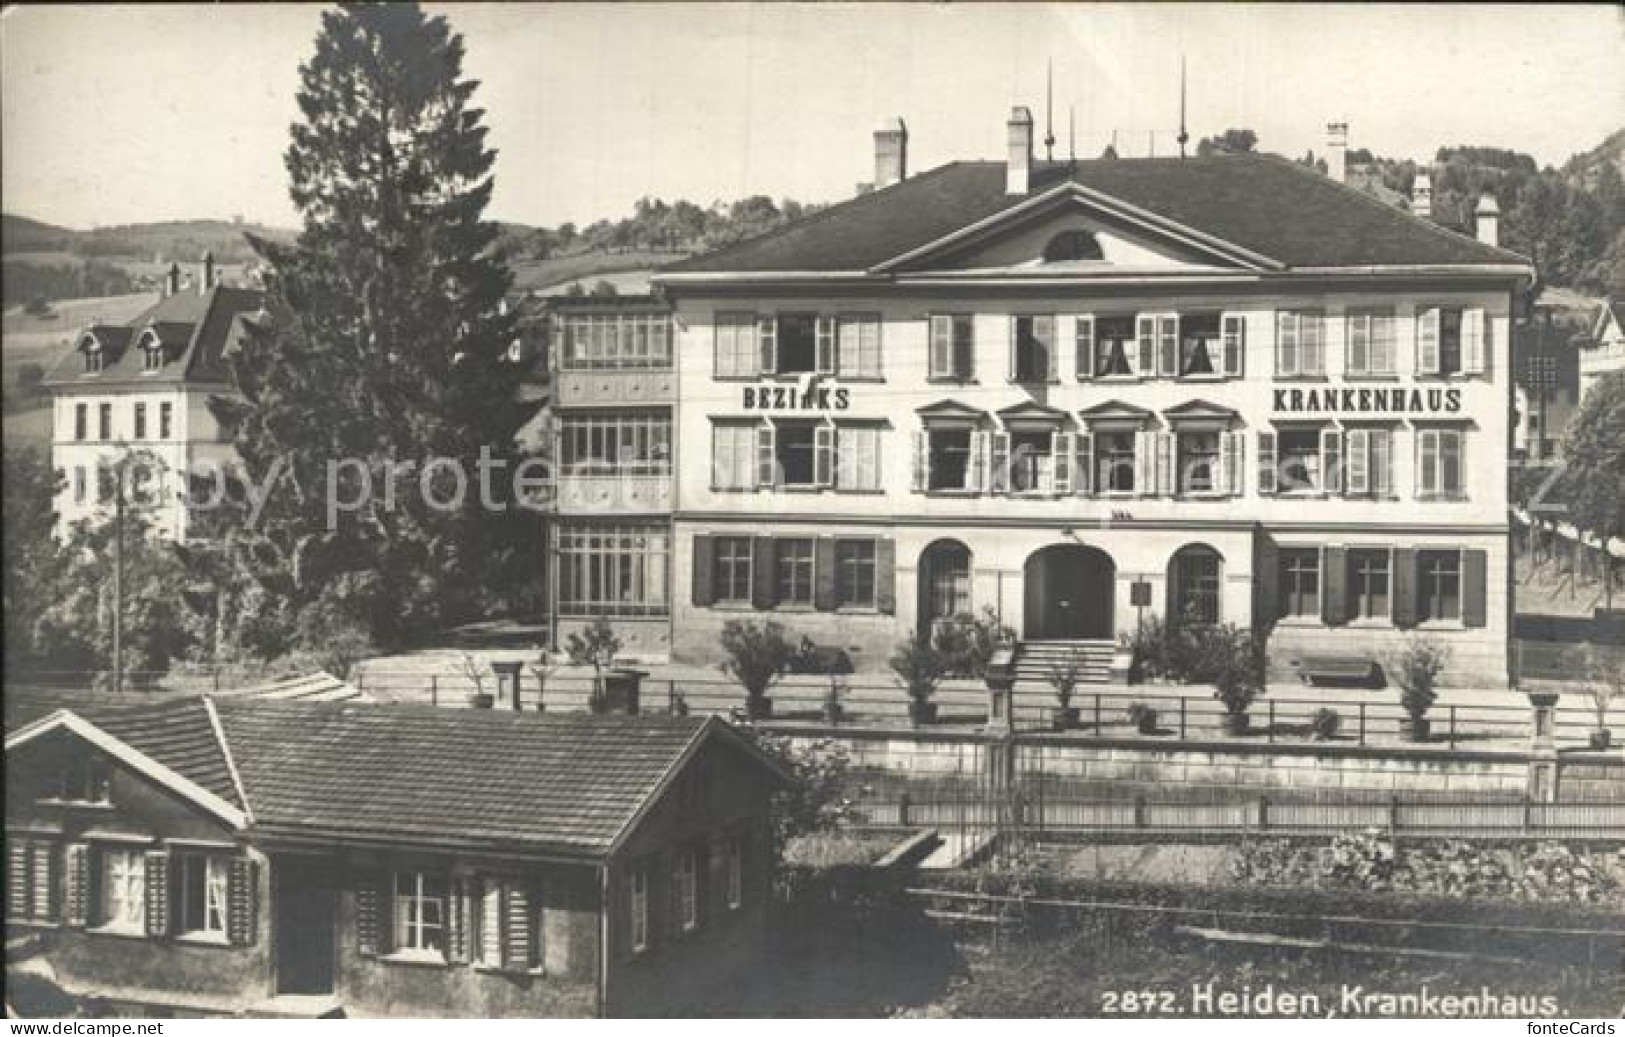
column 891, row 153
column 1337, row 151
column 1488, row 219
column 1019, row 168
column 206, row 281
column 172, row 280
column 1422, row 195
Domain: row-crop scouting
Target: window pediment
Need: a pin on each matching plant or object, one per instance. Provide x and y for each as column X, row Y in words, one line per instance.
column 950, row 412
column 1031, row 415
column 1116, row 412
column 1200, row 411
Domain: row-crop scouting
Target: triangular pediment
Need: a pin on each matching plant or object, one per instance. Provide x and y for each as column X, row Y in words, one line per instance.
column 1073, row 231
column 950, row 410
column 1031, row 412
column 1199, row 410
column 1115, row 410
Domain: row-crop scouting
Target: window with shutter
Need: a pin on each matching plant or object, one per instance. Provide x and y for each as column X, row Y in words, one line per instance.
column 203, row 895
column 704, row 595
column 1427, row 340
column 19, row 890
column 1235, row 345
column 1334, row 580
column 764, row 573
column 1145, row 334
column 1474, row 587
column 885, row 576
column 824, row 575
column 371, row 915
column 157, row 892
column 1267, row 480
column 76, row 884
column 242, row 902
column 1083, row 340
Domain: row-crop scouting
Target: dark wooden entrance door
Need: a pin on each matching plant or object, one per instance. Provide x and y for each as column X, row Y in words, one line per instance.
column 1068, row 595
column 305, row 901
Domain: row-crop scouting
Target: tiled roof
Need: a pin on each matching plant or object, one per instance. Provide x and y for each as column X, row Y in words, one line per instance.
column 178, row 734
column 1267, row 205
column 193, row 327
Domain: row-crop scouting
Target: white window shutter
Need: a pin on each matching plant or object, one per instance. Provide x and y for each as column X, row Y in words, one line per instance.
column 766, row 455
column 1145, row 463
column 1044, row 332
column 1083, row 338
column 824, row 346
column 1311, row 344
column 1427, row 462
column 1165, row 464
column 1359, row 461
column 1331, row 460
column 1168, row 346
column 1235, row 344
column 1266, row 463
column 922, row 461
column 1473, row 329
column 1427, row 341
column 767, row 341
column 976, row 476
column 1382, row 462
column 1085, row 450
column 824, row 455
column 998, row 463
column 1235, row 453
column 942, row 346
column 1145, row 334
column 1286, row 343
column 1062, row 463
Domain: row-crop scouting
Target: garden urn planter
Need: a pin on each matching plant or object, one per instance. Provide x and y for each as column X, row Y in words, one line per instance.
column 1064, row 718
column 1418, row 728
column 1237, row 723
column 1601, row 738
column 921, row 713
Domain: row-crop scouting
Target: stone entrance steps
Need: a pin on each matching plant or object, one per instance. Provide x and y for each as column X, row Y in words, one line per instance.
column 1035, row 659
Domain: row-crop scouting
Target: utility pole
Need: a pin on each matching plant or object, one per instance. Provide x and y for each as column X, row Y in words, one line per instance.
column 118, row 577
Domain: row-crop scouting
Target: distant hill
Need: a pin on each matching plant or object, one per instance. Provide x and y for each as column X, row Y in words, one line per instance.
column 21, row 234
column 176, row 240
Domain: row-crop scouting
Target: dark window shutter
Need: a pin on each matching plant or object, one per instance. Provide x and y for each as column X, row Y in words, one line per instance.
column 45, row 906
column 369, row 914
column 704, row 555
column 764, row 574
column 1266, row 583
column 886, row 576
column 964, row 347
column 824, row 574
column 516, row 927
column 1334, row 580
column 1405, row 611
column 1474, row 575
column 157, row 879
column 457, row 925
column 18, row 888
column 242, row 902
column 76, row 884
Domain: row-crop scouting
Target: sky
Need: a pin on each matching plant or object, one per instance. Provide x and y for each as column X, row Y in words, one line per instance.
column 119, row 114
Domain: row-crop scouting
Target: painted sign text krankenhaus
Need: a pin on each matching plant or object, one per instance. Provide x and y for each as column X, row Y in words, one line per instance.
column 1368, row 401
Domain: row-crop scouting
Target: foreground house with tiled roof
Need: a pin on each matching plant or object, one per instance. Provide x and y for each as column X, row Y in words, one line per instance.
column 228, row 857
column 143, row 387
column 1086, row 393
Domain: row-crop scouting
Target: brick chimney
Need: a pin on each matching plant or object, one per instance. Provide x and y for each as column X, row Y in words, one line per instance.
column 891, row 153
column 1019, row 166
column 1487, row 219
column 1422, row 195
column 172, row 280
column 1337, row 151
column 206, row 278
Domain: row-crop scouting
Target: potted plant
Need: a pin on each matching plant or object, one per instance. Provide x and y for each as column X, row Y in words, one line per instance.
column 1226, row 657
column 596, row 646
column 479, row 698
column 1416, row 671
column 542, row 667
column 1606, row 684
column 967, row 642
column 1325, row 723
column 1063, row 676
column 757, row 654
column 1144, row 718
column 919, row 668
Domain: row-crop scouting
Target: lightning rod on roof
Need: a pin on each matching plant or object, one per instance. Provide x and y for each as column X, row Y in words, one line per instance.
column 1183, row 136
column 1049, row 112
column 1072, row 132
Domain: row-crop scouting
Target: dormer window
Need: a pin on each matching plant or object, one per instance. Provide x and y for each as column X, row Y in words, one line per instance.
column 152, row 352
column 92, row 349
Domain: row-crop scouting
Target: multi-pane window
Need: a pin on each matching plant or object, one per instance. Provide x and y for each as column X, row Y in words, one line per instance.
column 85, row 780
column 153, row 357
column 105, row 420
column 737, row 353
column 623, row 443
column 795, row 570
column 1196, row 585
column 1450, row 340
column 1200, row 346
column 1439, row 462
column 858, row 347
column 949, row 589
column 952, row 351
column 1032, row 461
column 1299, row 465
column 857, row 457
column 1300, row 581
column 733, row 455
column 637, row 908
column 1368, row 589
column 1114, row 346
column 613, row 570
column 141, row 421
column 796, row 335
column 1300, row 344
column 950, row 458
column 202, row 905
column 611, row 341
column 123, row 903
column 93, row 360
column 1438, row 586
column 1114, row 461
column 1198, row 461
column 735, row 861
column 420, row 912
column 1370, row 343
column 731, row 576
column 854, row 573
column 1033, row 349
column 81, row 421
column 166, row 419
column 795, row 450
column 688, row 889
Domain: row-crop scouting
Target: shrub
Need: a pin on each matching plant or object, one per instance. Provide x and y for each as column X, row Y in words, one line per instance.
column 1149, row 649
column 757, row 654
column 597, row 646
column 1416, row 671
column 1325, row 724
column 1227, row 658
column 919, row 668
column 816, row 799
column 1064, row 675
column 967, row 642
column 1605, row 683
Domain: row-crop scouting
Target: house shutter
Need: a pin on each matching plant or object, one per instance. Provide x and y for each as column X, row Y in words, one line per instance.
column 1145, row 334
column 824, row 574
column 1311, row 344
column 45, row 906
column 370, row 922
column 976, row 464
column 922, row 461
column 1427, row 341
column 1266, row 582
column 1427, row 463
column 1168, row 346
column 157, row 892
column 1473, row 341
column 1235, row 453
column 886, row 576
column 489, row 950
column 1474, row 572
column 457, row 921
column 824, row 346
column 1334, row 578
column 76, row 884
column 1044, row 332
column 1062, row 463
column 1235, row 345
column 516, row 927
column 18, row 888
column 1331, row 460
column 1382, row 462
column 824, row 455
column 704, row 559
column 242, row 902
column 766, row 455
column 964, row 339
column 1286, row 343
column 1359, row 463
column 1015, row 338
column 1165, row 464
column 1404, row 587
column 940, row 348
column 1083, row 337
column 1266, row 463
column 1145, row 463
column 764, row 572
column 998, row 463
column 1085, row 450
column 767, row 341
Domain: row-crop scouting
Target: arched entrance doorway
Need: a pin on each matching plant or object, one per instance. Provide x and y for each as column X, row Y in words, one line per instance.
column 944, row 584
column 1069, row 590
